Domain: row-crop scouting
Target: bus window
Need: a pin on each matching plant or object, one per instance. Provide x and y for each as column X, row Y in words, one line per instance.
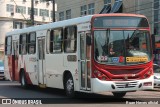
column 56, row 39
column 8, row 45
column 32, row 43
column 23, row 44
column 70, row 39
column 48, row 42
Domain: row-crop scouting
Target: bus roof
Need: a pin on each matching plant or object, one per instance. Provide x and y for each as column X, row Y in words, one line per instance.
column 120, row 14
column 68, row 22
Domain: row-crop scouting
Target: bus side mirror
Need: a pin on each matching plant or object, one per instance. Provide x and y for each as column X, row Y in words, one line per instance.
column 88, row 39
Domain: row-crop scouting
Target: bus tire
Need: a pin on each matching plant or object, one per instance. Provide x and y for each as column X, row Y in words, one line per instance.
column 23, row 80
column 69, row 86
column 119, row 94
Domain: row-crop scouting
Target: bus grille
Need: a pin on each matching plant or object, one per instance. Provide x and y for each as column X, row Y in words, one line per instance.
column 126, row 84
column 122, row 72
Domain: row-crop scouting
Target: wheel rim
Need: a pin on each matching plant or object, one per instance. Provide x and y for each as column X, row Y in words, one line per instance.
column 69, row 86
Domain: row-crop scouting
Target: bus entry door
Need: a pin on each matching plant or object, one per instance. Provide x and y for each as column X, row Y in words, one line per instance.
column 41, row 61
column 84, row 60
column 15, row 61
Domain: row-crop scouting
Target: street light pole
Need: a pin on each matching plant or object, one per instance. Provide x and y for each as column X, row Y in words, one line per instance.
column 32, row 12
column 53, row 14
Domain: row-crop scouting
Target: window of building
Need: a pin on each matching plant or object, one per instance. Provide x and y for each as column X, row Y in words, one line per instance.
column 44, row 12
column 117, row 7
column 35, row 11
column 8, row 45
column 83, row 10
column 10, row 8
column 156, row 14
column 51, row 14
column 32, row 43
column 21, row 9
column 61, row 16
column 23, row 44
column 56, row 15
column 91, row 8
column 17, row 25
column 70, row 39
column 107, row 2
column 107, row 7
column 56, row 39
column 156, row 4
column 68, row 14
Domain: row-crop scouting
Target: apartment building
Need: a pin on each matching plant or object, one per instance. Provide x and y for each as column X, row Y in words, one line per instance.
column 15, row 14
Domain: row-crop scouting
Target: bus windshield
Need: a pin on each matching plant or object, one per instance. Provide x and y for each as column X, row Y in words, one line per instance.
column 122, row 47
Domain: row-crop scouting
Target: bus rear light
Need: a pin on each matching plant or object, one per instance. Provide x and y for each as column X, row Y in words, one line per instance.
column 147, row 84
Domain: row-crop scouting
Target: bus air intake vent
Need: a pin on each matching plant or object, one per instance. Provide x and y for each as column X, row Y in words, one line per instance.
column 121, row 72
column 126, row 84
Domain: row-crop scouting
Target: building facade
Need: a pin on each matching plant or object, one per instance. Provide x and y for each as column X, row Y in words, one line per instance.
column 76, row 8
column 15, row 14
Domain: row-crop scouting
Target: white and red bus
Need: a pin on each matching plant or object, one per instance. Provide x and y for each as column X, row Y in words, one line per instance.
column 95, row 53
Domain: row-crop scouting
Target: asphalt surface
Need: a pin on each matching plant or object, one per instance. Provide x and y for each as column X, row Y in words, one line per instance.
column 51, row 96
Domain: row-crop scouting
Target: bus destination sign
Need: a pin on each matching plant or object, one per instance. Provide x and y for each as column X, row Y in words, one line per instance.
column 113, row 22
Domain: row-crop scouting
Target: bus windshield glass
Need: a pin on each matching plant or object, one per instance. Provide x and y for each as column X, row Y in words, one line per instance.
column 122, row 47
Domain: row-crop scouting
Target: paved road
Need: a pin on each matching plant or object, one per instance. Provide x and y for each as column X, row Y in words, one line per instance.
column 13, row 90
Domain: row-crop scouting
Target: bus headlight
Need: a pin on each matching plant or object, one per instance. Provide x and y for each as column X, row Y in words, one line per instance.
column 148, row 74
column 100, row 75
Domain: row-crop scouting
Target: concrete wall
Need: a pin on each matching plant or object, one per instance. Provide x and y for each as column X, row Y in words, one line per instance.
column 5, row 26
column 75, row 6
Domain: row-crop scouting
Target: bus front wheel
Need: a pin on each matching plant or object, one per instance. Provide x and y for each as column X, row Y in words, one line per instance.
column 119, row 94
column 69, row 86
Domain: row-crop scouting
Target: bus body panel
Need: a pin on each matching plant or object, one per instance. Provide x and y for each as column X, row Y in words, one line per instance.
column 120, row 85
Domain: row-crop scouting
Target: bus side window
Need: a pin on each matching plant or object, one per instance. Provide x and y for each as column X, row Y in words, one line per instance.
column 70, row 39
column 32, row 43
column 48, row 42
column 23, row 44
column 88, row 45
column 56, row 40
column 8, row 45
column 51, row 41
column 88, row 39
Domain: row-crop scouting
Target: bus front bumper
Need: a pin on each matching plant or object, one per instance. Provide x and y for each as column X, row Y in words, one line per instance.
column 115, row 86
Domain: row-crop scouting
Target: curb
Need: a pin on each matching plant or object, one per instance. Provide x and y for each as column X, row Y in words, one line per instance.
column 155, row 89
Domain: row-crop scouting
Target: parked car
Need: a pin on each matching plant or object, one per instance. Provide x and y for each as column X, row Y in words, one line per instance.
column 156, row 69
column 1, row 70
